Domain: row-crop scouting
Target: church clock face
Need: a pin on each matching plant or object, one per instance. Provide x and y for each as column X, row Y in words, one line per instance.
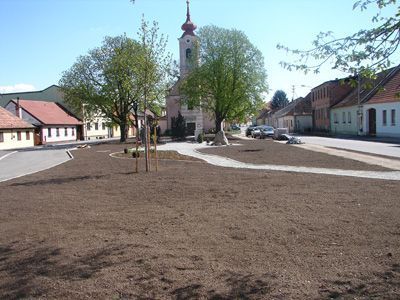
column 187, row 41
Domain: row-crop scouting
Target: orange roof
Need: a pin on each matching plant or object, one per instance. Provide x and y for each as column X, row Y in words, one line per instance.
column 390, row 90
column 9, row 121
column 48, row 113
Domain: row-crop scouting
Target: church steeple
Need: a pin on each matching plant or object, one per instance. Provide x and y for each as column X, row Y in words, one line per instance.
column 188, row 27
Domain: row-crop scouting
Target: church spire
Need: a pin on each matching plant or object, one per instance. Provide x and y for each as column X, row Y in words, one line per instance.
column 188, row 27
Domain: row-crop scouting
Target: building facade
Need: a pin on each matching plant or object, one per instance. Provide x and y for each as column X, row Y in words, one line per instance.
column 372, row 108
column 323, row 97
column 14, row 132
column 53, row 123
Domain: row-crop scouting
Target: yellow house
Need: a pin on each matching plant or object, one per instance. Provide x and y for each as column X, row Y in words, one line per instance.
column 15, row 132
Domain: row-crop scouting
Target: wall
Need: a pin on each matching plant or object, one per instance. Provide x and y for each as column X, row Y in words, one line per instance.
column 346, row 127
column 303, row 123
column 172, row 109
column 288, row 122
column 11, row 141
column 62, row 137
column 384, row 131
column 92, row 133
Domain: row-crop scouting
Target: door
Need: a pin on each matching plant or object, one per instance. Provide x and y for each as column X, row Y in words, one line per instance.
column 372, row 121
column 190, row 128
column 37, row 139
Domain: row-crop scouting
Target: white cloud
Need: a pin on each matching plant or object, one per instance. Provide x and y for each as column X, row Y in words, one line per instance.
column 19, row 87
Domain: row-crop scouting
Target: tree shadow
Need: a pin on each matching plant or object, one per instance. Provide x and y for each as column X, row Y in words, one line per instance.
column 236, row 286
column 381, row 285
column 22, row 270
column 58, row 180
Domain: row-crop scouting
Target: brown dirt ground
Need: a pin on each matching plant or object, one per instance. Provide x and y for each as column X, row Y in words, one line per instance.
column 270, row 152
column 91, row 228
column 160, row 155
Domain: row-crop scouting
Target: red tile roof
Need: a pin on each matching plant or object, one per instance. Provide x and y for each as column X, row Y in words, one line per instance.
column 380, row 90
column 9, row 121
column 48, row 113
column 390, row 90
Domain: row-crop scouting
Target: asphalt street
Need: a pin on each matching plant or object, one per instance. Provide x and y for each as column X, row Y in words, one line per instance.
column 27, row 162
column 385, row 149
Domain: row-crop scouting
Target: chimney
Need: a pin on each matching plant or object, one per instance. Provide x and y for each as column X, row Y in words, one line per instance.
column 17, row 109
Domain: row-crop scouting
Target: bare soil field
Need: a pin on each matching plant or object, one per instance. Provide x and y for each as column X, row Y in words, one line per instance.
column 270, row 152
column 91, row 228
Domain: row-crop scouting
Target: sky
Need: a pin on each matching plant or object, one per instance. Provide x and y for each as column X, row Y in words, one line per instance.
column 39, row 39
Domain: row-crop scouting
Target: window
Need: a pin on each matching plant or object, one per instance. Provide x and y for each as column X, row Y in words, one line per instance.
column 384, row 118
column 343, row 117
column 188, row 53
column 57, row 131
column 335, row 120
column 49, row 132
column 73, row 131
column 1, row 137
column 65, row 131
column 88, row 127
column 28, row 135
column 96, row 126
column 103, row 126
column 19, row 135
column 393, row 117
column 349, row 117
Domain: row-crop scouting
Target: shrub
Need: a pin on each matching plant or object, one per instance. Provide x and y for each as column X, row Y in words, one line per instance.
column 178, row 128
column 200, row 138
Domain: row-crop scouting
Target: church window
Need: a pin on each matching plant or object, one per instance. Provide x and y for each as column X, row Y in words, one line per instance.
column 188, row 53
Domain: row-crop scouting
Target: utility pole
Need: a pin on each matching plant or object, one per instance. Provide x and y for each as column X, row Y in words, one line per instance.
column 359, row 109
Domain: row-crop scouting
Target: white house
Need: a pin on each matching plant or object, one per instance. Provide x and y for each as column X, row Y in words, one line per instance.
column 374, row 109
column 14, row 132
column 382, row 111
column 53, row 123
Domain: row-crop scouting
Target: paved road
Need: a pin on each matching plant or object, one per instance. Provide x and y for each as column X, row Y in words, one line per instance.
column 27, row 162
column 362, row 146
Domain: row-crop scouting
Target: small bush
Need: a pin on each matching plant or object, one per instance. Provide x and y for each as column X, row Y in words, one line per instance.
column 200, row 138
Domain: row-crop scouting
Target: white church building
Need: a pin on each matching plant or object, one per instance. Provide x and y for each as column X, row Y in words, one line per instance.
column 197, row 121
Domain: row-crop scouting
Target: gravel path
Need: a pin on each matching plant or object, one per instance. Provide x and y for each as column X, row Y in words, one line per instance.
column 190, row 149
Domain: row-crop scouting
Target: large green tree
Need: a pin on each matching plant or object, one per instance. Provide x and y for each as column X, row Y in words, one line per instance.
column 366, row 52
column 228, row 76
column 105, row 82
column 120, row 77
column 279, row 100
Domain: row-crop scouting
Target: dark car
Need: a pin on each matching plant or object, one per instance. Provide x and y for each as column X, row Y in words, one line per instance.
column 250, row 129
column 235, row 127
column 266, row 131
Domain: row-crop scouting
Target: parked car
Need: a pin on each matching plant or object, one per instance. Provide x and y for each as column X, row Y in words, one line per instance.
column 266, row 131
column 250, row 129
column 256, row 132
column 235, row 127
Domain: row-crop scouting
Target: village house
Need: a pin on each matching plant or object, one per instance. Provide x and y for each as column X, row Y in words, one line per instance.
column 373, row 108
column 197, row 121
column 323, row 97
column 261, row 119
column 14, row 132
column 382, row 111
column 96, row 127
column 296, row 116
column 53, row 122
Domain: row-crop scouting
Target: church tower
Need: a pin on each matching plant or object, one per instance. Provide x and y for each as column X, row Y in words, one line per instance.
column 186, row 43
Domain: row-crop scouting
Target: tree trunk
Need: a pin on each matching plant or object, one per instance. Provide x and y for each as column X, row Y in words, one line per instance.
column 218, row 124
column 122, row 128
